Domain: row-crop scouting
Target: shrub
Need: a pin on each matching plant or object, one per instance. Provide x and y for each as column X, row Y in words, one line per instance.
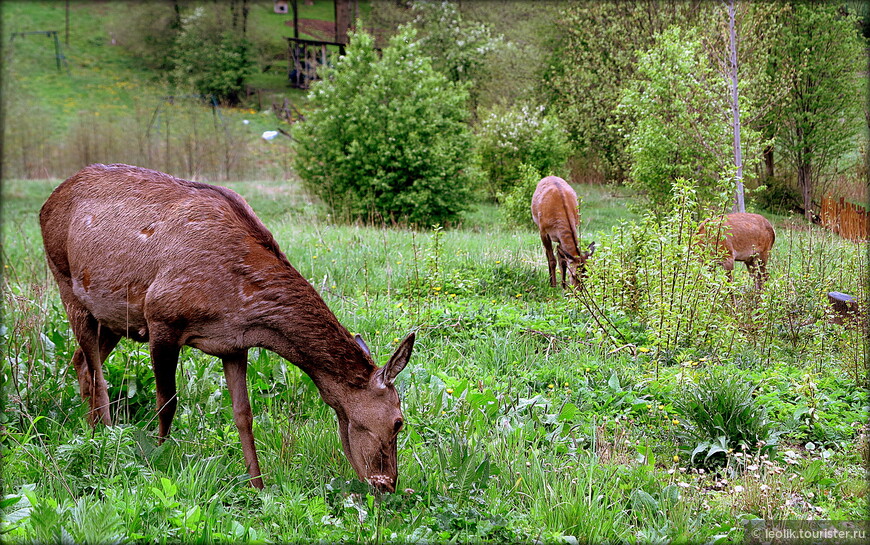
column 524, row 135
column 387, row 138
column 653, row 272
column 213, row 60
column 516, row 204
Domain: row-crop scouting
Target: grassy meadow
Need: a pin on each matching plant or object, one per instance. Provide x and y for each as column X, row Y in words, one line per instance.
column 523, row 420
column 659, row 403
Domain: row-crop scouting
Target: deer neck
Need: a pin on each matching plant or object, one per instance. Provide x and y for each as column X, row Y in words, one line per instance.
column 283, row 313
column 306, row 333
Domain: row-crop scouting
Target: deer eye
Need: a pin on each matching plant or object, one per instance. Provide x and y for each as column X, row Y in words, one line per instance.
column 398, row 425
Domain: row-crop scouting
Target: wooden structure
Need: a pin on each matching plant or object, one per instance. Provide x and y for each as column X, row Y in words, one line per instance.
column 59, row 57
column 846, row 219
column 306, row 56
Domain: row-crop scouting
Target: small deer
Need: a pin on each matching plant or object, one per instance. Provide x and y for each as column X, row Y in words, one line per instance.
column 741, row 237
column 138, row 253
column 554, row 211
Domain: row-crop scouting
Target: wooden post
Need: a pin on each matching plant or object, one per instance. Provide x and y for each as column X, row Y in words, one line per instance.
column 342, row 20
column 295, row 18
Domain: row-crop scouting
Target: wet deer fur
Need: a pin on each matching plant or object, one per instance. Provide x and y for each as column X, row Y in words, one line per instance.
column 138, row 253
column 741, row 237
column 554, row 211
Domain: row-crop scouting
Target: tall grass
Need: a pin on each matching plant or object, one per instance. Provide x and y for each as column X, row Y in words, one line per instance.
column 522, row 422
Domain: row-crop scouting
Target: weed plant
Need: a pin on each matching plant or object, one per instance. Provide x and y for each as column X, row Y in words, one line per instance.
column 722, row 416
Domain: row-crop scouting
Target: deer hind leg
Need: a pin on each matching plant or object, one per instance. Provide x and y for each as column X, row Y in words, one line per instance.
column 236, row 372
column 164, row 349
column 95, row 344
column 551, row 259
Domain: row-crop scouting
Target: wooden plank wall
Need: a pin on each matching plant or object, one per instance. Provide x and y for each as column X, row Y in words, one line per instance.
column 846, row 219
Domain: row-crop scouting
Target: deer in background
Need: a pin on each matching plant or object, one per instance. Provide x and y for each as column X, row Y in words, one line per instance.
column 138, row 253
column 740, row 237
column 554, row 211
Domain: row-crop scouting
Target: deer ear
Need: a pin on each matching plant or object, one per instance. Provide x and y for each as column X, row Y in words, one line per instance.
column 398, row 360
column 362, row 344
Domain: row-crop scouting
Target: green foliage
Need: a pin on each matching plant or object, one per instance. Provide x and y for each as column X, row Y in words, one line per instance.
column 211, row 58
column 820, row 119
column 723, row 416
column 459, row 49
column 387, row 138
column 510, row 137
column 677, row 120
column 592, row 57
column 656, row 273
column 516, row 205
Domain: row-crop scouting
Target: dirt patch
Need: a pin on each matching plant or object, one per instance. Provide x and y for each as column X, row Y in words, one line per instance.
column 320, row 30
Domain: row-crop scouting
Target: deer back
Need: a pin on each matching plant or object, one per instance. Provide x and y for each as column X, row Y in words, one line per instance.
column 741, row 235
column 554, row 211
column 137, row 245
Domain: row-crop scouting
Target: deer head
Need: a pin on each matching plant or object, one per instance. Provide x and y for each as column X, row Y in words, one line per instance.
column 370, row 418
column 576, row 265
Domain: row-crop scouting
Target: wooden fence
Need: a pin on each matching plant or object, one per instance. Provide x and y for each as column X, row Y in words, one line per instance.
column 846, row 219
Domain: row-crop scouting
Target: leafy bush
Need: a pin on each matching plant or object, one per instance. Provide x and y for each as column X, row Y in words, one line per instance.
column 676, row 118
column 213, row 60
column 509, row 138
column 516, row 204
column 459, row 48
column 654, row 273
column 723, row 417
column 387, row 138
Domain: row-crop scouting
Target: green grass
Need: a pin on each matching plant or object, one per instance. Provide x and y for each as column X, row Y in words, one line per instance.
column 525, row 421
column 521, row 424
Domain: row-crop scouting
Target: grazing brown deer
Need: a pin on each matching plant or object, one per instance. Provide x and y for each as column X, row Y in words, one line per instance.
column 138, row 253
column 741, row 237
column 554, row 210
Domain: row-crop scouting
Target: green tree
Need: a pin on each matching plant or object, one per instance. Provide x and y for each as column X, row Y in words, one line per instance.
column 594, row 55
column 677, row 118
column 820, row 120
column 459, row 49
column 387, row 138
column 510, row 137
column 210, row 57
column 750, row 28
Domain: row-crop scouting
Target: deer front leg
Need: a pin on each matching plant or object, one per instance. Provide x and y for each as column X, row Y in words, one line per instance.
column 236, row 371
column 563, row 266
column 758, row 270
column 551, row 259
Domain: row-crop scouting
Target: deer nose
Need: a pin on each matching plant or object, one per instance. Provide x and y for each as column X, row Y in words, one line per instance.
column 382, row 483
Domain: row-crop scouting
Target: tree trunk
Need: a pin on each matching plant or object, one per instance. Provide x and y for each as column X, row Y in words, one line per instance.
column 739, row 205
column 805, row 183
column 342, row 20
column 767, row 154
